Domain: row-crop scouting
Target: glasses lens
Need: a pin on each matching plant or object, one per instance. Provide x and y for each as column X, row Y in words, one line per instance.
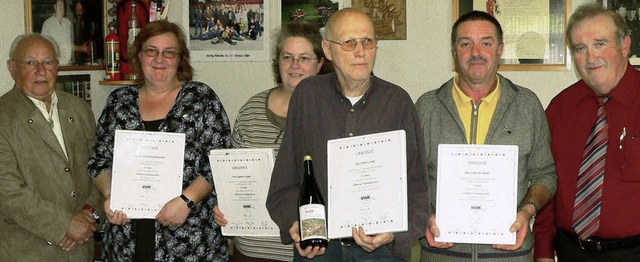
column 349, row 45
column 286, row 59
column 169, row 53
column 368, row 43
column 47, row 64
column 150, row 52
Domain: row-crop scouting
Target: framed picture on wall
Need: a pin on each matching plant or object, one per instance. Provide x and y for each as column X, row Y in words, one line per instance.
column 533, row 31
column 77, row 26
column 629, row 10
column 312, row 11
column 389, row 17
column 229, row 30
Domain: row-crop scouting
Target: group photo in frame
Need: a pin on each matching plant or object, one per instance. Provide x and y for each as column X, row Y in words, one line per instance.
column 629, row 10
column 228, row 30
column 533, row 32
column 77, row 26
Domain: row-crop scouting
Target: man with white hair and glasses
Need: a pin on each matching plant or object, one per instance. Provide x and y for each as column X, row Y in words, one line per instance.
column 46, row 197
column 350, row 102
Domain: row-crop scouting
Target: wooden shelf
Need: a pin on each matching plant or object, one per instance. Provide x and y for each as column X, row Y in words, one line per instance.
column 121, row 82
column 81, row 68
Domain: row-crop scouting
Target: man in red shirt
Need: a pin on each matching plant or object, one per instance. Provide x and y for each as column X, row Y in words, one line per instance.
column 599, row 42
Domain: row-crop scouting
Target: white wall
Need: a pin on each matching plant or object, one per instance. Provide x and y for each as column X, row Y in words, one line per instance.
column 420, row 63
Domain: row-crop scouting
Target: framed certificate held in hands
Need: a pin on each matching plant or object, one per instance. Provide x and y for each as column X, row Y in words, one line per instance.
column 367, row 178
column 147, row 171
column 241, row 178
column 476, row 193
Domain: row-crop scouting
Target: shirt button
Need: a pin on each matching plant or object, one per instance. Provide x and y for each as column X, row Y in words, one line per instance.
column 66, row 169
column 30, row 121
column 350, row 134
column 352, row 110
column 73, row 193
column 71, row 119
column 49, row 243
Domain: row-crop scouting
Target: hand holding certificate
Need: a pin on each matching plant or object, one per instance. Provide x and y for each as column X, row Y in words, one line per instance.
column 147, row 171
column 476, row 193
column 367, row 177
column 242, row 179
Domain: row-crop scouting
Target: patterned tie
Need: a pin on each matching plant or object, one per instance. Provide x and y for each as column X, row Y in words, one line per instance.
column 586, row 214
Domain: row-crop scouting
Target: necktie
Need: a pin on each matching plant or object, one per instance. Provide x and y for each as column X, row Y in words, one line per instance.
column 587, row 204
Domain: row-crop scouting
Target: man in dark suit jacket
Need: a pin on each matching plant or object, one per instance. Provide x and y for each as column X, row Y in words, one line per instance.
column 46, row 196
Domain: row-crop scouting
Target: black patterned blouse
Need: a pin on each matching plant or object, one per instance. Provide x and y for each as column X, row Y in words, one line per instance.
column 198, row 113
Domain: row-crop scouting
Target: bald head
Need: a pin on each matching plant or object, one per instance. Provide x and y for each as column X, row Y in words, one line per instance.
column 346, row 16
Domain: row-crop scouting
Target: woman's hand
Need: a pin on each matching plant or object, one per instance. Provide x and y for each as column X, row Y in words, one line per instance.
column 173, row 213
column 115, row 218
column 218, row 216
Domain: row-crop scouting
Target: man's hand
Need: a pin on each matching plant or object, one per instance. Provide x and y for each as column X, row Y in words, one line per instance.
column 309, row 252
column 173, row 213
column 371, row 243
column 80, row 231
column 521, row 226
column 218, row 216
column 433, row 232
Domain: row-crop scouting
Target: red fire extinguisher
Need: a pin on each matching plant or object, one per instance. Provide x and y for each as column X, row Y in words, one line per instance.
column 113, row 55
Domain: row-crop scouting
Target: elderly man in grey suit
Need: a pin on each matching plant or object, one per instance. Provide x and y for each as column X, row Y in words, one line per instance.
column 46, row 196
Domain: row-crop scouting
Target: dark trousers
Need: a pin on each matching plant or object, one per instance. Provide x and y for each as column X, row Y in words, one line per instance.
column 337, row 252
column 568, row 250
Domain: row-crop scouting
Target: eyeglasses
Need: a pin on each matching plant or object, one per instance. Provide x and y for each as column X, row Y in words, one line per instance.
column 303, row 60
column 48, row 64
column 351, row 44
column 152, row 52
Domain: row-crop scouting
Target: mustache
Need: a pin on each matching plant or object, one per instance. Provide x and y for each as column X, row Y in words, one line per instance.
column 477, row 58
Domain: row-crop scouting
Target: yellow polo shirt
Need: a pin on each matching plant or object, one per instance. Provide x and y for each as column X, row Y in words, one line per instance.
column 476, row 125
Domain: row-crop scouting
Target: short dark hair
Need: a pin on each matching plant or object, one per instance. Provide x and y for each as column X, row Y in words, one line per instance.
column 156, row 28
column 476, row 16
column 586, row 11
column 306, row 30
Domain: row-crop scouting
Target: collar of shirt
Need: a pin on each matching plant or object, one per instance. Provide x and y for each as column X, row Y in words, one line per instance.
column 624, row 92
column 485, row 111
column 51, row 115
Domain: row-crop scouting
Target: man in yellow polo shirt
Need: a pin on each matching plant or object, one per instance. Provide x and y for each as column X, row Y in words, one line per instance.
column 479, row 106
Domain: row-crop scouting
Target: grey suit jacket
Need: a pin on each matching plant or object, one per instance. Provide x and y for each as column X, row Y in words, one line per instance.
column 40, row 189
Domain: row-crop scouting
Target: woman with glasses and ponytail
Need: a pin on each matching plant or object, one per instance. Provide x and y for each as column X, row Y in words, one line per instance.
column 167, row 101
column 261, row 120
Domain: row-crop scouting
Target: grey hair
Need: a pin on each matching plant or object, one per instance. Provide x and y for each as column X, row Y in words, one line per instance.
column 19, row 39
column 586, row 11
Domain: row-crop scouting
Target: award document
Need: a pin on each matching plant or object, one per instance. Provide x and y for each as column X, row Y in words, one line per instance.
column 147, row 171
column 477, row 193
column 367, row 178
column 242, row 178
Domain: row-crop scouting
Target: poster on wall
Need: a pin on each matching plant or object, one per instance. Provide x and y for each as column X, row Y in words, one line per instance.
column 389, row 17
column 228, row 30
column 313, row 11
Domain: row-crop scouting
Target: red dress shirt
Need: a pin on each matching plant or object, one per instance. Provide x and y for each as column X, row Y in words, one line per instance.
column 571, row 115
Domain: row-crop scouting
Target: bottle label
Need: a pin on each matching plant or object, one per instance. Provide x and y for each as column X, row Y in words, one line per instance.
column 133, row 32
column 313, row 222
column 113, row 59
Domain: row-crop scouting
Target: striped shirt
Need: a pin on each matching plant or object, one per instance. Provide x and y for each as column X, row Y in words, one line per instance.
column 258, row 127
